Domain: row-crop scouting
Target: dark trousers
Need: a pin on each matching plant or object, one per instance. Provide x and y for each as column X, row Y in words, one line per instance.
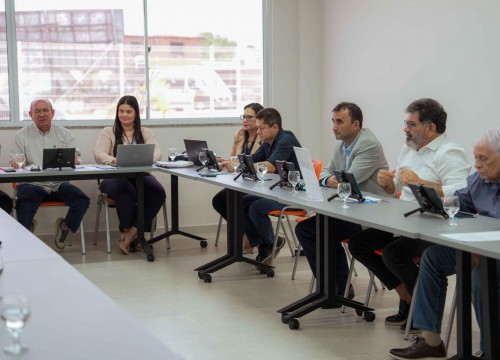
column 5, row 202
column 396, row 266
column 306, row 234
column 124, row 192
column 219, row 203
column 30, row 196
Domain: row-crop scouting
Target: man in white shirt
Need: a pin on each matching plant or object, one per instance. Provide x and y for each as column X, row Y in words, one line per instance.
column 30, row 141
column 428, row 158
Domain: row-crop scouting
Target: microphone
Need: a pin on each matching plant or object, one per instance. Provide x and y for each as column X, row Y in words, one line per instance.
column 204, row 166
column 276, row 184
column 237, row 176
column 332, row 197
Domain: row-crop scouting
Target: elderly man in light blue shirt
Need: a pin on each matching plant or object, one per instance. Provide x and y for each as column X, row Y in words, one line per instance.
column 31, row 140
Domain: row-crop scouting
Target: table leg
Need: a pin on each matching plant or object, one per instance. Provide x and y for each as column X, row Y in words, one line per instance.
column 174, row 200
column 234, row 243
column 325, row 275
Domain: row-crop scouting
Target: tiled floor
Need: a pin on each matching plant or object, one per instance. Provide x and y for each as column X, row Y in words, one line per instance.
column 235, row 316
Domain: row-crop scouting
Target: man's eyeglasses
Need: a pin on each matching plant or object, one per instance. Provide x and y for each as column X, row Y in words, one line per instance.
column 247, row 117
column 410, row 124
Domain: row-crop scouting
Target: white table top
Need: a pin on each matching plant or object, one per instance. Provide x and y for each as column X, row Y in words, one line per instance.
column 386, row 216
column 70, row 317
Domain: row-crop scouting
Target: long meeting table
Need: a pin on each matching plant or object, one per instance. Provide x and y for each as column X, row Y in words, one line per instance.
column 70, row 318
column 91, row 172
column 387, row 215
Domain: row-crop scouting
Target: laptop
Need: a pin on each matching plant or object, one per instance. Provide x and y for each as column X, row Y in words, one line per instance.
column 193, row 148
column 135, row 155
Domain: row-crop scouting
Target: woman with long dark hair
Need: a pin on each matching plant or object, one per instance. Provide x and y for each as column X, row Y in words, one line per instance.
column 127, row 130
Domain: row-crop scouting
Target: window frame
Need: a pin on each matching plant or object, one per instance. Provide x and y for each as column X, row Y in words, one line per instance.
column 13, row 80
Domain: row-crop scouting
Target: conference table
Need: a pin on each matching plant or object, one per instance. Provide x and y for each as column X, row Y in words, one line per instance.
column 92, row 172
column 386, row 214
column 70, row 317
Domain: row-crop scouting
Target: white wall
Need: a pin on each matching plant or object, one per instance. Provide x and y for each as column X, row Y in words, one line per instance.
column 384, row 54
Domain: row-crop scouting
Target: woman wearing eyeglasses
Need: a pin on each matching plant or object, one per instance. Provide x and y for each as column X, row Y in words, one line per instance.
column 246, row 141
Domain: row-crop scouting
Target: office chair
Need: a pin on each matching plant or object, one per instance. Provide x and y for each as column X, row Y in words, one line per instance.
column 104, row 199
column 52, row 204
column 286, row 212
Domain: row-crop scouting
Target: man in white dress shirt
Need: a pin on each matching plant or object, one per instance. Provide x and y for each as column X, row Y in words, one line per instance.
column 428, row 158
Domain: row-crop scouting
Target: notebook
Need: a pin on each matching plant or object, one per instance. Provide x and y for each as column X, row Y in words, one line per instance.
column 193, row 148
column 135, row 155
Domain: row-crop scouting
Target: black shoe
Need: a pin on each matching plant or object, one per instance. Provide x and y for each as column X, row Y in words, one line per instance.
column 400, row 317
column 262, row 252
column 279, row 245
column 413, row 330
column 419, row 350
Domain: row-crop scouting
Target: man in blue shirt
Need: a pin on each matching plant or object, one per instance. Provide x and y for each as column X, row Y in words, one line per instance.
column 481, row 196
column 276, row 144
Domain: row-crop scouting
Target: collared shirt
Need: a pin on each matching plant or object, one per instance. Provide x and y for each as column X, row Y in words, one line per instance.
column 441, row 162
column 280, row 149
column 480, row 197
column 31, row 141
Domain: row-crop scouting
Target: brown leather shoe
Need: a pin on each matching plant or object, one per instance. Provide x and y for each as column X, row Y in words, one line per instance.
column 419, row 350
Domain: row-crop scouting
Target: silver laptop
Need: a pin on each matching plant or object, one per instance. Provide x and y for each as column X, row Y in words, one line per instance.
column 135, row 155
column 193, row 148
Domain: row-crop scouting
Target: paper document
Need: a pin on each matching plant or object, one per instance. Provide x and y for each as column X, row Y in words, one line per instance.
column 474, row 236
column 174, row 164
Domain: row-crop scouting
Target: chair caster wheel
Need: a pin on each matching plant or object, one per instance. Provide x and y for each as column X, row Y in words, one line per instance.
column 203, row 244
column 151, row 258
column 293, row 324
column 200, row 275
column 369, row 316
column 207, row 278
column 283, row 320
column 270, row 273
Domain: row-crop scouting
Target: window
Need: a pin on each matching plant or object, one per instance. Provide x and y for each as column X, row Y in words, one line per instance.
column 197, row 59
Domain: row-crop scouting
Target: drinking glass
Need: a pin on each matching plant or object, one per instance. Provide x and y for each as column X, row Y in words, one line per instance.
column 344, row 190
column 235, row 163
column 172, row 153
column 451, row 205
column 261, row 171
column 19, row 160
column 202, row 156
column 293, row 179
column 14, row 310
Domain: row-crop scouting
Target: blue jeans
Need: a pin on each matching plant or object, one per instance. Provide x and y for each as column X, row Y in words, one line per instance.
column 30, row 196
column 306, row 234
column 256, row 223
column 439, row 262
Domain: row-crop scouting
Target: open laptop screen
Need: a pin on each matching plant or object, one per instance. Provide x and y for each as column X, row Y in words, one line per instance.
column 193, row 148
column 135, row 155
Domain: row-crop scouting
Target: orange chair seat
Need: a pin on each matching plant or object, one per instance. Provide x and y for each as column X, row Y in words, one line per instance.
column 53, row 203
column 290, row 212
